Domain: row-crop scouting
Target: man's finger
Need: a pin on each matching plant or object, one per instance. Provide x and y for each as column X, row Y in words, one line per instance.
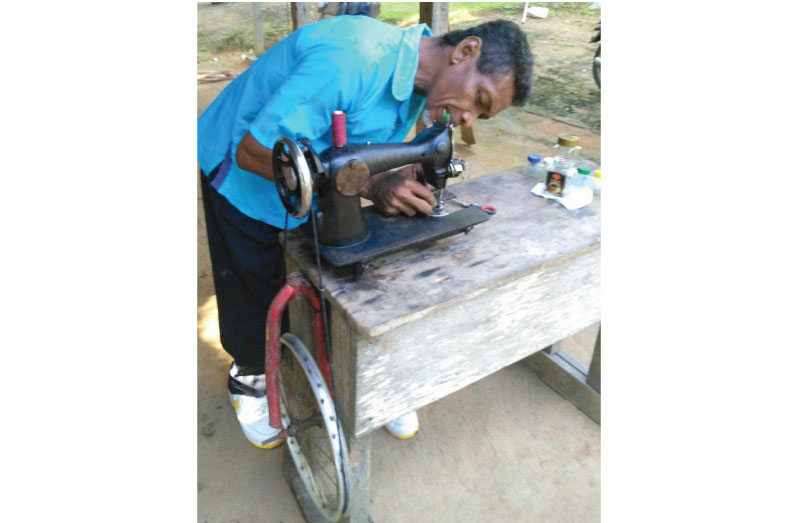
column 405, row 208
column 422, row 192
column 415, row 195
column 420, row 204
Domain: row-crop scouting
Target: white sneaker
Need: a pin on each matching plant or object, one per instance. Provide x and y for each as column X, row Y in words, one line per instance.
column 253, row 415
column 403, row 427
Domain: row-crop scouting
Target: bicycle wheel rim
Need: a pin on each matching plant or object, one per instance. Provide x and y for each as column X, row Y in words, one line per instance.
column 315, row 440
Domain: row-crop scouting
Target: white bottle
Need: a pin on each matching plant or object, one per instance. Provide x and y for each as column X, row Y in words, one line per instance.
column 567, row 146
column 596, row 180
column 535, row 168
column 582, row 177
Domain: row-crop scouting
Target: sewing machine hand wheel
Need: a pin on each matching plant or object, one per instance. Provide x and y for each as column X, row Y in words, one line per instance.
column 292, row 177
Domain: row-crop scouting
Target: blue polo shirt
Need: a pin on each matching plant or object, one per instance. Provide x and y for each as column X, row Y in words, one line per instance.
column 355, row 64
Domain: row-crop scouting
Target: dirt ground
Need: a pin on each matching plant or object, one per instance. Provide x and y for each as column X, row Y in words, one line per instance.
column 507, row 448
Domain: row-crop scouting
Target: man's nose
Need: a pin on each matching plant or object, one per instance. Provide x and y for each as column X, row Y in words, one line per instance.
column 468, row 118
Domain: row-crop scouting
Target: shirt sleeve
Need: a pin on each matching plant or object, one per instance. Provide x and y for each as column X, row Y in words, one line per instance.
column 303, row 103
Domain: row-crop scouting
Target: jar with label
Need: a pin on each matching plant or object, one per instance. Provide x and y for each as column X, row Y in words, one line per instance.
column 561, row 173
column 557, row 179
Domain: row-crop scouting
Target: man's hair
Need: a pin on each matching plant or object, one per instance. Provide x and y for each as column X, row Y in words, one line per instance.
column 504, row 51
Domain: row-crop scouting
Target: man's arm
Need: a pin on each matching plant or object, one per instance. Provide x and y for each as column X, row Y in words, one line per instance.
column 392, row 192
column 254, row 157
column 303, row 106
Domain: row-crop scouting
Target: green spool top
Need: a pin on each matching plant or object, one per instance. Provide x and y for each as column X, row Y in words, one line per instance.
column 584, row 169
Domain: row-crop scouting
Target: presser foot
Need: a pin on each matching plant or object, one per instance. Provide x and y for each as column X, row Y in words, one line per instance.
column 440, row 209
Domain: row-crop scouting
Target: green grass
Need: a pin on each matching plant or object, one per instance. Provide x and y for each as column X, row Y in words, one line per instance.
column 235, row 31
column 398, row 12
column 476, row 7
column 565, row 8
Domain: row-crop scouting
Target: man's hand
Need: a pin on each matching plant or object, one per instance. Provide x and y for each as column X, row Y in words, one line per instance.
column 400, row 191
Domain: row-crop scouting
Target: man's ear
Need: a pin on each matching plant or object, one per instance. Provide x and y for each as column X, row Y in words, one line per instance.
column 469, row 47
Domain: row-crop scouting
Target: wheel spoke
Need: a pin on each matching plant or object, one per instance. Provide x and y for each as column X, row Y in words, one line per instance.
column 333, row 481
column 321, row 451
column 324, row 476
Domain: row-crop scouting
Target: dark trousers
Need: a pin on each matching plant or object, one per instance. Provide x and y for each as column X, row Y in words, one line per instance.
column 247, row 260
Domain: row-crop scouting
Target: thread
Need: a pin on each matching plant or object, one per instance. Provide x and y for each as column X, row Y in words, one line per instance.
column 339, row 128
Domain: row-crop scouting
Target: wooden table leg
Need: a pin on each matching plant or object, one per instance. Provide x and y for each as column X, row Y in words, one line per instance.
column 359, row 490
column 344, row 366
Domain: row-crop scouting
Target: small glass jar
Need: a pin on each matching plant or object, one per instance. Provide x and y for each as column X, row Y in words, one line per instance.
column 559, row 175
column 533, row 161
column 540, row 172
column 567, row 146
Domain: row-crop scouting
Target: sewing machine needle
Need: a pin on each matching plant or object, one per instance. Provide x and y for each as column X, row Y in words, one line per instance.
column 438, row 210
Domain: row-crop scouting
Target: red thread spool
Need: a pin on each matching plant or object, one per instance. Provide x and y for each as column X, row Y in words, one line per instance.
column 339, row 128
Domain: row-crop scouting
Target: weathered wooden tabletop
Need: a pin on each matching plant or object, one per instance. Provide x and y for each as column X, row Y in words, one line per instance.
column 526, row 233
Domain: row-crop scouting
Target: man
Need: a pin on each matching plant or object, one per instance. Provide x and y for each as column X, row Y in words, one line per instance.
column 381, row 76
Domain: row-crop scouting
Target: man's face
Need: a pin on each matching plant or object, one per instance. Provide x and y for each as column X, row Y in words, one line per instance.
column 467, row 94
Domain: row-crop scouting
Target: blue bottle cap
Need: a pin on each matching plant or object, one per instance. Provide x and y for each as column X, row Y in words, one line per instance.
column 533, row 158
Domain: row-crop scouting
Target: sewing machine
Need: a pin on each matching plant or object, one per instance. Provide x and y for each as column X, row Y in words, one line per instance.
column 347, row 233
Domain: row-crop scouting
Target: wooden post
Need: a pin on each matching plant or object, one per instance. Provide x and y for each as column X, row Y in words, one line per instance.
column 300, row 14
column 436, row 16
column 330, row 10
column 258, row 29
column 467, row 134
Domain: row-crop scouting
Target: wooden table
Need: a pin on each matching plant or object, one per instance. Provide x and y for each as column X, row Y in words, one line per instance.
column 427, row 321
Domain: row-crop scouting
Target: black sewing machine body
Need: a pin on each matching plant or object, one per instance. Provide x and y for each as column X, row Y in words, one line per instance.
column 347, row 169
column 348, row 233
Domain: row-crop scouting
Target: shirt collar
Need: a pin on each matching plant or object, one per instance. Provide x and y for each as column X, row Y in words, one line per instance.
column 404, row 74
